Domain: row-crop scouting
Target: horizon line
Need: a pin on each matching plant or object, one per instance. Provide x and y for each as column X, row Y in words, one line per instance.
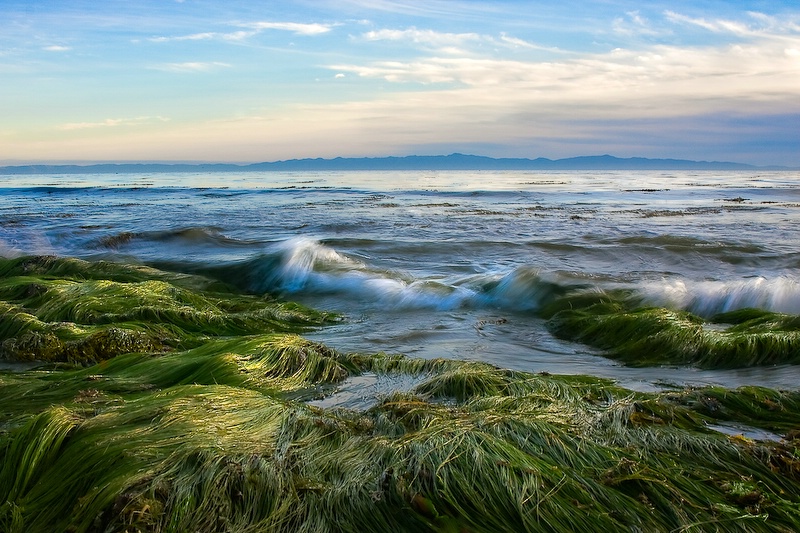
column 244, row 165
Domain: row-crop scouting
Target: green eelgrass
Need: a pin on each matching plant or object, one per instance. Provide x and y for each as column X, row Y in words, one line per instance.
column 206, row 429
column 223, row 458
column 643, row 336
column 96, row 311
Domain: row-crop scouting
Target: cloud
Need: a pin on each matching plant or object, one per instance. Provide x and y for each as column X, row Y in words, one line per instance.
column 758, row 25
column 294, row 27
column 634, row 24
column 57, row 48
column 192, row 66
column 661, row 79
column 435, row 9
column 449, row 43
column 423, row 37
column 254, row 29
column 716, row 26
column 204, row 36
column 111, row 123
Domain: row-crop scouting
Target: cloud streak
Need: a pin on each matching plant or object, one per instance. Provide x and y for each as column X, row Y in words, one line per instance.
column 205, row 36
column 111, row 123
column 254, row 28
column 293, row 27
column 192, row 66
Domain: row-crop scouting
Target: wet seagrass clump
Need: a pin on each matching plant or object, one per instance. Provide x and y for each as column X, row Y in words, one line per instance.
column 215, row 430
column 66, row 310
column 641, row 336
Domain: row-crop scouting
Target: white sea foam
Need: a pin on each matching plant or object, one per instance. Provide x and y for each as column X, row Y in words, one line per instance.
column 302, row 257
column 780, row 294
column 306, row 265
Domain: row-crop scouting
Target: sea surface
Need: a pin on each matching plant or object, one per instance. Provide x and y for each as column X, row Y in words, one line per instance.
column 449, row 264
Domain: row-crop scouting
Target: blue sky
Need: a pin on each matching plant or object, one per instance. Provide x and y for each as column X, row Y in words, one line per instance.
column 246, row 81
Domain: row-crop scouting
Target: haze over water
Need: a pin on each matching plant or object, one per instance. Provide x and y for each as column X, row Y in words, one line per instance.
column 444, row 264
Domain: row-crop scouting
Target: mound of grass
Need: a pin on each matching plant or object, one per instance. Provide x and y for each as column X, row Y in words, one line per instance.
column 66, row 310
column 212, row 432
column 641, row 336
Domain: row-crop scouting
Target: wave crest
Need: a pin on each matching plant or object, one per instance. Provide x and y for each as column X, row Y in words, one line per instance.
column 706, row 298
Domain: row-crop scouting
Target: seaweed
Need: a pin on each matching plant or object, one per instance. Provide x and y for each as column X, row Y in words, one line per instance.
column 641, row 336
column 67, row 310
column 212, row 431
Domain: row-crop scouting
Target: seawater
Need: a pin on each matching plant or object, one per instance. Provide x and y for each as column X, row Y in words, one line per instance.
column 444, row 264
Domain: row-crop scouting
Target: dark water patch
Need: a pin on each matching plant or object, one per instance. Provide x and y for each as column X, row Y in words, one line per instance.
column 225, row 194
column 685, row 243
column 115, row 241
column 187, row 236
column 437, row 204
column 693, row 211
column 737, row 200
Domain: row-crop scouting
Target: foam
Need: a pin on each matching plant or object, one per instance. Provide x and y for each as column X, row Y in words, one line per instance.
column 779, row 294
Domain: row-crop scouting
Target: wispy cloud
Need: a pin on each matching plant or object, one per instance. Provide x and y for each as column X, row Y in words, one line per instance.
column 192, row 66
column 463, row 44
column 756, row 25
column 253, row 28
column 659, row 77
column 423, row 37
column 57, row 48
column 716, row 25
column 111, row 123
column 634, row 24
column 295, row 27
column 205, row 36
column 436, row 9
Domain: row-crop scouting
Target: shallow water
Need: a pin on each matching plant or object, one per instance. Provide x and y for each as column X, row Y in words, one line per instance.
column 445, row 264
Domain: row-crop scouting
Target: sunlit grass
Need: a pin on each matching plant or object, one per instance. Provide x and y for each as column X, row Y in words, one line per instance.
column 208, row 429
column 653, row 335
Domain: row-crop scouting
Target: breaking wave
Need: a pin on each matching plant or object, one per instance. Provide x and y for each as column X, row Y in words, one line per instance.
column 706, row 298
column 304, row 265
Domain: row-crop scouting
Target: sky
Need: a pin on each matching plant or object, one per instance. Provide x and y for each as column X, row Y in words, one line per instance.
column 247, row 81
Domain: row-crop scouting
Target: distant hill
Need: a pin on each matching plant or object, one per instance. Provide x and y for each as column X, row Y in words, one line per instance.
column 411, row 162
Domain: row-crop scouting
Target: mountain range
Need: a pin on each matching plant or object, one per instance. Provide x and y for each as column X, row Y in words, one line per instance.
column 412, row 162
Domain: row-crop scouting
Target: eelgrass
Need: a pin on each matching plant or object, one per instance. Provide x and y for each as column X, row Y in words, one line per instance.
column 96, row 311
column 210, row 433
column 641, row 336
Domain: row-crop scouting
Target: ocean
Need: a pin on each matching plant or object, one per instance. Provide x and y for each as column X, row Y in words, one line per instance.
column 451, row 264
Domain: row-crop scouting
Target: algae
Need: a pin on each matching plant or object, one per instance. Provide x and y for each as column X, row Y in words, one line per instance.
column 73, row 311
column 212, row 428
column 640, row 336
